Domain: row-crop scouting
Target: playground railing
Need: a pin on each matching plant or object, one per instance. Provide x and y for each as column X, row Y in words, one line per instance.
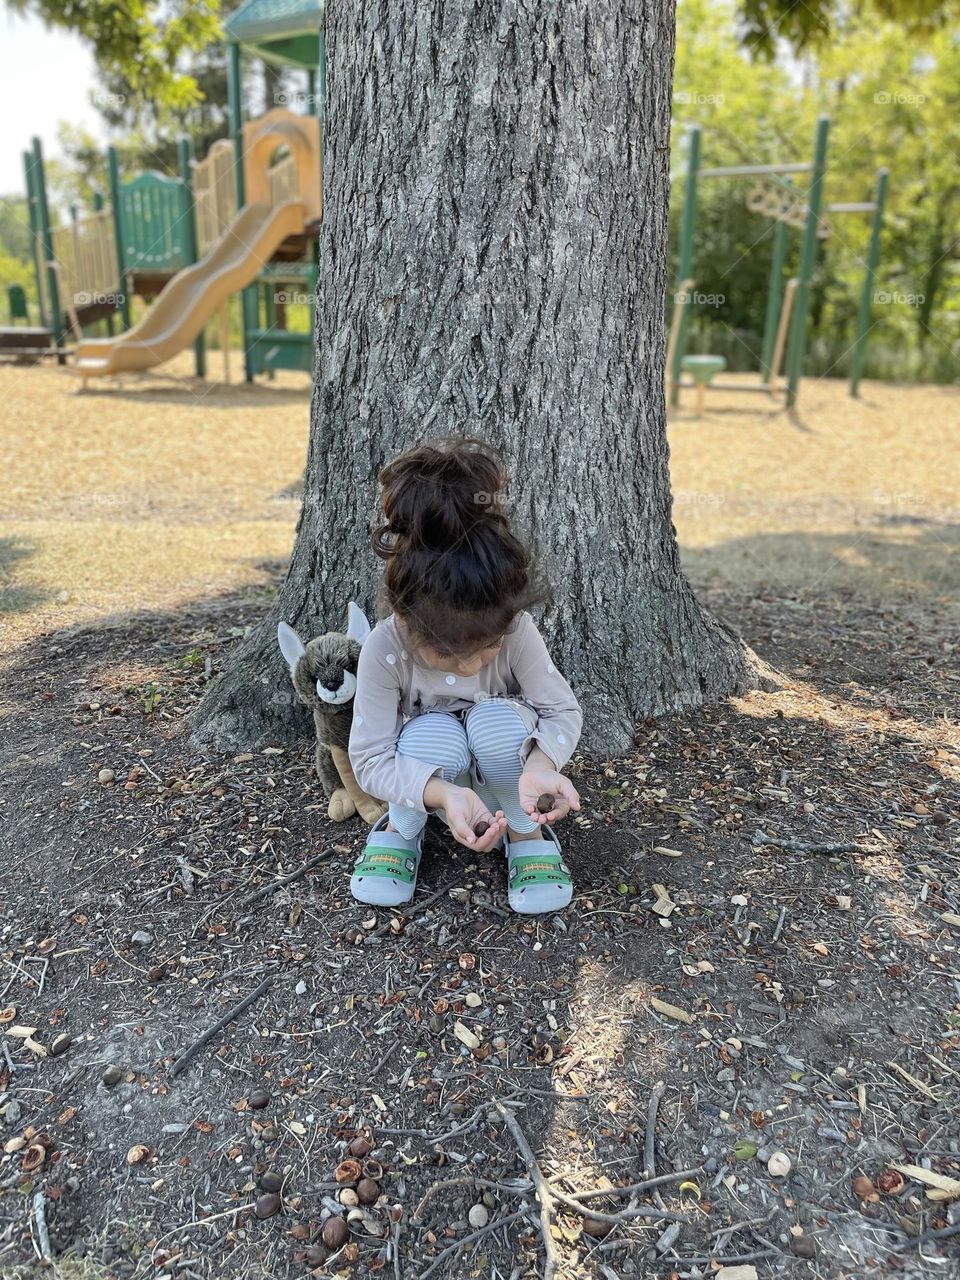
column 86, row 253
column 215, row 193
column 284, row 180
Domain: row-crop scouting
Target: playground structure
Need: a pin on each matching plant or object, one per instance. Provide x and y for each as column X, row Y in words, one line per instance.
column 787, row 302
column 244, row 219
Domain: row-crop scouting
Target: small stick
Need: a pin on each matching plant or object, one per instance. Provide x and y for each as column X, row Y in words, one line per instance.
column 412, row 908
column 192, row 1050
column 40, row 1218
column 267, row 889
column 544, row 1193
column 474, row 1235
column 780, row 923
column 635, row 1186
column 724, row 1261
column 649, row 1156
column 801, row 846
column 468, row 1181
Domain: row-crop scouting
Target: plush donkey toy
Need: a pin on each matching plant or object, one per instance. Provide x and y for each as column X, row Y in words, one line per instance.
column 324, row 674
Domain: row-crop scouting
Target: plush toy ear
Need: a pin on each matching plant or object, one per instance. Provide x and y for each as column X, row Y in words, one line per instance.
column 291, row 646
column 358, row 628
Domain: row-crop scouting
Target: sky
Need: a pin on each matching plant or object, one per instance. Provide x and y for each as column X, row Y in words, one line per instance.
column 45, row 77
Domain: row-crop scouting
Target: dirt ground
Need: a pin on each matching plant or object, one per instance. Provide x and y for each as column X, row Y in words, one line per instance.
column 755, row 998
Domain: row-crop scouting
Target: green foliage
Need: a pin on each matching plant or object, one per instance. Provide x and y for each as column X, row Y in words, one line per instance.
column 17, row 271
column 14, row 227
column 890, row 107
column 815, row 24
column 143, row 40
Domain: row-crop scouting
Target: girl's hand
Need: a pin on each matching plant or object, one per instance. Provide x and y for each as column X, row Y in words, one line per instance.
column 539, row 779
column 464, row 809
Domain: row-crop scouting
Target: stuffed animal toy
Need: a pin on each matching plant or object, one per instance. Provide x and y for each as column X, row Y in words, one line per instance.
column 324, row 674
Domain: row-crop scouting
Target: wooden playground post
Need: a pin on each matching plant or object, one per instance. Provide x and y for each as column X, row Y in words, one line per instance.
column 774, row 295
column 866, row 298
column 685, row 259
column 184, row 159
column 113, row 169
column 783, row 328
column 46, row 244
column 808, row 258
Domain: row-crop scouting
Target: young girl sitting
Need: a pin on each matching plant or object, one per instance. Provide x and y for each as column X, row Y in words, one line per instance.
column 458, row 709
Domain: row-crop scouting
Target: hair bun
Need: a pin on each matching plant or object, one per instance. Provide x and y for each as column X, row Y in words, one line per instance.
column 438, row 495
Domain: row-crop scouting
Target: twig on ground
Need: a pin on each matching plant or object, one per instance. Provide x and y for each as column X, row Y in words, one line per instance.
column 414, row 908
column 724, row 1260
column 265, row 890
column 470, row 1239
column 40, row 1218
column 192, row 1050
column 645, row 1185
column 781, row 920
column 649, row 1156
column 544, row 1193
column 469, row 1180
column 801, row 846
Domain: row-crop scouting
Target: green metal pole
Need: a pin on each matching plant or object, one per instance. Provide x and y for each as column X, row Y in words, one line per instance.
column 46, row 242
column 688, row 224
column 774, row 298
column 311, row 92
column 248, row 296
column 33, row 219
column 184, row 158
column 796, row 343
column 866, row 298
column 98, row 203
column 113, row 169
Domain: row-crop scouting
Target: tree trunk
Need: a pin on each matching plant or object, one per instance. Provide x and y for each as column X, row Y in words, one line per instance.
column 493, row 260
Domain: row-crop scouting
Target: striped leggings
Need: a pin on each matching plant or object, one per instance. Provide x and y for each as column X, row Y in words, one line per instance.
column 484, row 746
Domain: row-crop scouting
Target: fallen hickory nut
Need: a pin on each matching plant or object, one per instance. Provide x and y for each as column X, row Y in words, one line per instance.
column 890, row 1182
column 137, row 1153
column 271, row 1181
column 34, row 1157
column 373, row 1169
column 360, row 1147
column 594, row 1227
column 348, row 1171
column 349, row 1198
column 335, row 1233
column 545, row 803
column 267, row 1205
column 367, row 1191
column 481, row 828
column 300, row 1231
column 863, row 1186
column 257, row 1099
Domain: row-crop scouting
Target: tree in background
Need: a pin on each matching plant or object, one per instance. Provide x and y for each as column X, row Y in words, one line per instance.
column 144, row 40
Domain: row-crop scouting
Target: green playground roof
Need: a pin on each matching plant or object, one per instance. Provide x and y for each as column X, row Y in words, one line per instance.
column 286, row 32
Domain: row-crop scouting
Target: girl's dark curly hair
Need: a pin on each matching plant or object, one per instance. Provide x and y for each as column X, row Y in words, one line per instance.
column 456, row 574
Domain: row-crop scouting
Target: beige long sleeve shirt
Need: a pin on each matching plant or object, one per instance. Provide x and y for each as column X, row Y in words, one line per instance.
column 392, row 687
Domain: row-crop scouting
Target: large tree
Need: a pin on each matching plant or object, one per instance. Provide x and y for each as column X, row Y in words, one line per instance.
column 493, row 260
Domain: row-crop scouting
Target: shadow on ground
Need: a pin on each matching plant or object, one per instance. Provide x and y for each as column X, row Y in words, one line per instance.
column 768, row 986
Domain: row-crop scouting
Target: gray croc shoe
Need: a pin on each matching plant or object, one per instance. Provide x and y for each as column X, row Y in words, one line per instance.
column 539, row 879
column 385, row 874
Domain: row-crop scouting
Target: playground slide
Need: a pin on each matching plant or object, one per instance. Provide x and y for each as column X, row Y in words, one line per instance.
column 178, row 315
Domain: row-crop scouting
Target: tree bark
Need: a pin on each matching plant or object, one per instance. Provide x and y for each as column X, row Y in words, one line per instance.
column 493, row 260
